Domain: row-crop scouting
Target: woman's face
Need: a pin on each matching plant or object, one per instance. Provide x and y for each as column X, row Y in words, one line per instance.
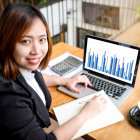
column 32, row 48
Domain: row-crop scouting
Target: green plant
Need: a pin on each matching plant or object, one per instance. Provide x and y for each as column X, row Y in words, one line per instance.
column 37, row 2
column 138, row 11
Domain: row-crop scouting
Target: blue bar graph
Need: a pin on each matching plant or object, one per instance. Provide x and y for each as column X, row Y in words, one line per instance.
column 115, row 67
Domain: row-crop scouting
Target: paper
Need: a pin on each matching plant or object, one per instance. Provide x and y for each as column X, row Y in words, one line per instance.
column 59, row 59
column 109, row 116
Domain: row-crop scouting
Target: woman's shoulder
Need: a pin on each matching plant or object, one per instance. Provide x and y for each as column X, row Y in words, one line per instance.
column 4, row 81
column 9, row 85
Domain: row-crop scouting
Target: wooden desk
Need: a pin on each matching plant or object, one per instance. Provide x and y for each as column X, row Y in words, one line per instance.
column 119, row 131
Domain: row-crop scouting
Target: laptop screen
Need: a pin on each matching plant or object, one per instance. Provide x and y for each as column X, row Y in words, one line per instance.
column 111, row 59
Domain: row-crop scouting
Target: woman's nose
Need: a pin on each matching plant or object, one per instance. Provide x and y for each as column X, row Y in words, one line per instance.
column 35, row 48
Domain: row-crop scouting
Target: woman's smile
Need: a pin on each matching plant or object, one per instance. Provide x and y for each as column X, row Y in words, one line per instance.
column 33, row 60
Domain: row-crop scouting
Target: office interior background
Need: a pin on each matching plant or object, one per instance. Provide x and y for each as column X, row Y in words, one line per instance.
column 70, row 20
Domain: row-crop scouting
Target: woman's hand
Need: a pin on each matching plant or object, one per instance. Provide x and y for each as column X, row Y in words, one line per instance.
column 71, row 82
column 95, row 106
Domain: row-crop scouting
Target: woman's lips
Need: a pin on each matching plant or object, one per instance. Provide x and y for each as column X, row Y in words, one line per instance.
column 33, row 60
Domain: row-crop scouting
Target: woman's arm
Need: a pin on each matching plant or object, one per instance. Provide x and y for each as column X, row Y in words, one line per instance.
column 53, row 80
column 91, row 109
column 69, row 129
column 68, row 82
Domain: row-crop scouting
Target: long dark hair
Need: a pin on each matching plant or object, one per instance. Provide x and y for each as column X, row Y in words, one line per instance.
column 15, row 20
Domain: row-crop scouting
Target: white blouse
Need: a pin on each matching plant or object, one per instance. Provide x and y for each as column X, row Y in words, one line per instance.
column 30, row 79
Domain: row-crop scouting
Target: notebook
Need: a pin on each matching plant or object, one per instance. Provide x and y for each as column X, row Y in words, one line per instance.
column 110, row 66
column 108, row 117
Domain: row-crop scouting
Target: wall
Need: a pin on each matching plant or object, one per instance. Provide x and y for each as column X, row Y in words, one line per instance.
column 70, row 12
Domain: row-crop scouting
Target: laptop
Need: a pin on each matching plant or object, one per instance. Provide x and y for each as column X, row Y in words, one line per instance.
column 110, row 66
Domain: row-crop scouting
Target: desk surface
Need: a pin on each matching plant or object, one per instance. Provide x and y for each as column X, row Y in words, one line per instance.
column 119, row 131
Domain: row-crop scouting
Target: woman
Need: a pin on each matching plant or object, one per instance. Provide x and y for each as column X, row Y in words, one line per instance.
column 25, row 47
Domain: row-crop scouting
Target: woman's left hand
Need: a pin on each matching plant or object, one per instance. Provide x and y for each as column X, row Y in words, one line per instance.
column 71, row 82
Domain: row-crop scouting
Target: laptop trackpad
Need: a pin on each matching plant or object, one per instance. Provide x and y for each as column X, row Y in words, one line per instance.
column 84, row 91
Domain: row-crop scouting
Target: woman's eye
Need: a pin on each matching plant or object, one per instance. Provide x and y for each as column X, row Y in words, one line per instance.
column 25, row 41
column 43, row 40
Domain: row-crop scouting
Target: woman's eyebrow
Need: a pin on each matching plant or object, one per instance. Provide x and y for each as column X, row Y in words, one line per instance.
column 44, row 35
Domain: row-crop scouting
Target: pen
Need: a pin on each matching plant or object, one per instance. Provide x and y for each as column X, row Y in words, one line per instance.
column 83, row 102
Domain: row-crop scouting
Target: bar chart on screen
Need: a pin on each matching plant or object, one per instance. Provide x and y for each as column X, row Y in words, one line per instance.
column 112, row 62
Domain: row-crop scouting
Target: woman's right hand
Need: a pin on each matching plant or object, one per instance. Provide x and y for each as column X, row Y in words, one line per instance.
column 91, row 109
column 95, row 106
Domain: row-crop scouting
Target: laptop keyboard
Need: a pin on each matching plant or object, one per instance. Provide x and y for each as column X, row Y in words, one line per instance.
column 111, row 89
